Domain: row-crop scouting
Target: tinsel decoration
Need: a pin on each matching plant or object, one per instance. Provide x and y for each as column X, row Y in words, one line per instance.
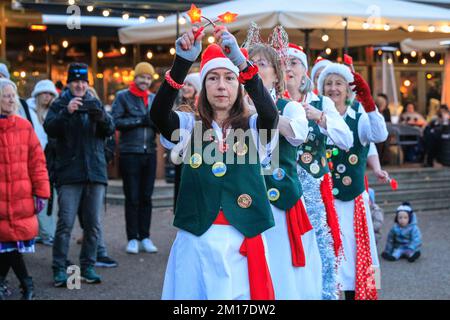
column 317, row 215
column 279, row 40
column 253, row 36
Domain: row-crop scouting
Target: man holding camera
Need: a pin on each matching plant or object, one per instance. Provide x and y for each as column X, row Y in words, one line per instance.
column 79, row 123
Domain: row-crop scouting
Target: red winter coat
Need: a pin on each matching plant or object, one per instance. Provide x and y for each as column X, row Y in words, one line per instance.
column 23, row 173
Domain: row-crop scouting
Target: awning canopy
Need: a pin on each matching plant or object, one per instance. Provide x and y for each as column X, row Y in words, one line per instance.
column 319, row 15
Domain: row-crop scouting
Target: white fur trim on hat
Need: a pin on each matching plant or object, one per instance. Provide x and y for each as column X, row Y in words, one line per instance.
column 293, row 52
column 194, row 80
column 405, row 208
column 217, row 63
column 335, row 68
column 321, row 64
column 44, row 86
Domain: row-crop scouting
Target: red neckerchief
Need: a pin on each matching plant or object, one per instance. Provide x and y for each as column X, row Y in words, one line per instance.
column 139, row 93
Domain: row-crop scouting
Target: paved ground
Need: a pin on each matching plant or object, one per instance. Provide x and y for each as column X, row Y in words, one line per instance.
column 141, row 276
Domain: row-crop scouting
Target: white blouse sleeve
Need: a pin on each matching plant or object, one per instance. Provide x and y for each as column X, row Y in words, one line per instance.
column 372, row 127
column 372, row 150
column 298, row 122
column 337, row 130
column 187, row 121
column 264, row 150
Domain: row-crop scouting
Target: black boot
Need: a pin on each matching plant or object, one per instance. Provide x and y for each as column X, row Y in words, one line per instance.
column 27, row 288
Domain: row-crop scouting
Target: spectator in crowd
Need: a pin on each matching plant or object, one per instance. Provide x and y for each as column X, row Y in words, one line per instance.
column 382, row 103
column 80, row 125
column 59, row 86
column 137, row 156
column 23, row 187
column 411, row 117
column 404, row 240
column 432, row 134
column 24, row 110
column 42, row 96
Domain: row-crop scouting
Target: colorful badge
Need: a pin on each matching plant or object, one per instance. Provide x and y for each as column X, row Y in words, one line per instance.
column 195, row 161
column 341, row 168
column 244, row 201
column 346, row 181
column 306, row 157
column 273, row 194
column 335, row 191
column 240, row 149
column 278, row 174
column 323, row 161
column 314, row 168
column 219, row 169
column 353, row 159
column 328, row 153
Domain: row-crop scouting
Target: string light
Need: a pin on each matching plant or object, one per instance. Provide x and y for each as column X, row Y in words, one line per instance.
column 405, row 61
column 142, row 19
column 123, row 50
column 90, row 8
column 406, row 83
column 328, row 51
column 125, row 16
column 156, row 76
column 65, row 44
column 410, row 28
column 31, row 48
column 387, row 27
column 182, row 20
column 380, row 52
column 441, row 62
column 100, row 54
column 365, row 25
column 172, row 51
column 71, row 2
column 344, row 22
column 431, row 28
column 211, row 39
column 445, row 29
column 432, row 54
column 149, row 55
column 23, row 74
column 160, row 19
column 105, row 13
column 429, row 76
column 325, row 38
column 398, row 53
column 413, row 54
column 423, row 61
column 390, row 61
column 99, row 75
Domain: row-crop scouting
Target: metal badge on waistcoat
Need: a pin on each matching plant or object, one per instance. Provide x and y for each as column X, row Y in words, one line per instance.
column 273, row 194
column 195, row 161
column 346, row 181
column 278, row 174
column 219, row 169
column 240, row 148
column 244, row 201
column 353, row 159
column 314, row 168
column 306, row 157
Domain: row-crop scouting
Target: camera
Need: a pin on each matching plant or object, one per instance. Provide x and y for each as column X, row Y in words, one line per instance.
column 89, row 106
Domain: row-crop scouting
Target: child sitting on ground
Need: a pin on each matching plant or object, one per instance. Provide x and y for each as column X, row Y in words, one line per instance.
column 404, row 239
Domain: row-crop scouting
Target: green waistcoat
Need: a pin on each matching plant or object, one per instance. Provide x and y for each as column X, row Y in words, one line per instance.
column 240, row 192
column 312, row 153
column 283, row 186
column 349, row 166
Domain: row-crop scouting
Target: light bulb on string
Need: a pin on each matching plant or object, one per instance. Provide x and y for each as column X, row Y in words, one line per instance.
column 160, row 18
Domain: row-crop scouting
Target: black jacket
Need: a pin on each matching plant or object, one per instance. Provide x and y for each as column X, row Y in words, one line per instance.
column 80, row 141
column 132, row 119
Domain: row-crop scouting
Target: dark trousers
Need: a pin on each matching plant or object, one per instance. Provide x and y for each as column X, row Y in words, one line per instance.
column 432, row 141
column 15, row 261
column 138, row 173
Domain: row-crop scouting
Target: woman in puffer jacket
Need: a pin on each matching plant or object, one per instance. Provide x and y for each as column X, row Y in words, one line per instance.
column 23, row 187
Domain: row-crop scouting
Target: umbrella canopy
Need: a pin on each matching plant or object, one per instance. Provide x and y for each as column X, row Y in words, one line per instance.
column 409, row 45
column 319, row 15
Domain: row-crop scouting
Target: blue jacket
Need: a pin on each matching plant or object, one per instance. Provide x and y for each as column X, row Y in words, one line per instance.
column 408, row 237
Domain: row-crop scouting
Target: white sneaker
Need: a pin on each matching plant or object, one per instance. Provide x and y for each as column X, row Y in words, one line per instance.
column 148, row 246
column 133, row 246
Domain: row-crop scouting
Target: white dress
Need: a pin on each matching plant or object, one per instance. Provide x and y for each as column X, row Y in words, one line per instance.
column 209, row 266
column 371, row 128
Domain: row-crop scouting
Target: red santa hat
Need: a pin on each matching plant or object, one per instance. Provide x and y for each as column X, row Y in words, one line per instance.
column 298, row 52
column 335, row 68
column 319, row 64
column 214, row 58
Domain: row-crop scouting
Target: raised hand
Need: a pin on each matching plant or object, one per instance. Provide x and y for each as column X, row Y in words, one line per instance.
column 363, row 93
column 229, row 45
column 188, row 46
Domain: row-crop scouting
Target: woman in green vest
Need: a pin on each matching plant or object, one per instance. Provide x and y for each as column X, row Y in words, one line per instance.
column 325, row 123
column 222, row 208
column 357, row 270
column 291, row 243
